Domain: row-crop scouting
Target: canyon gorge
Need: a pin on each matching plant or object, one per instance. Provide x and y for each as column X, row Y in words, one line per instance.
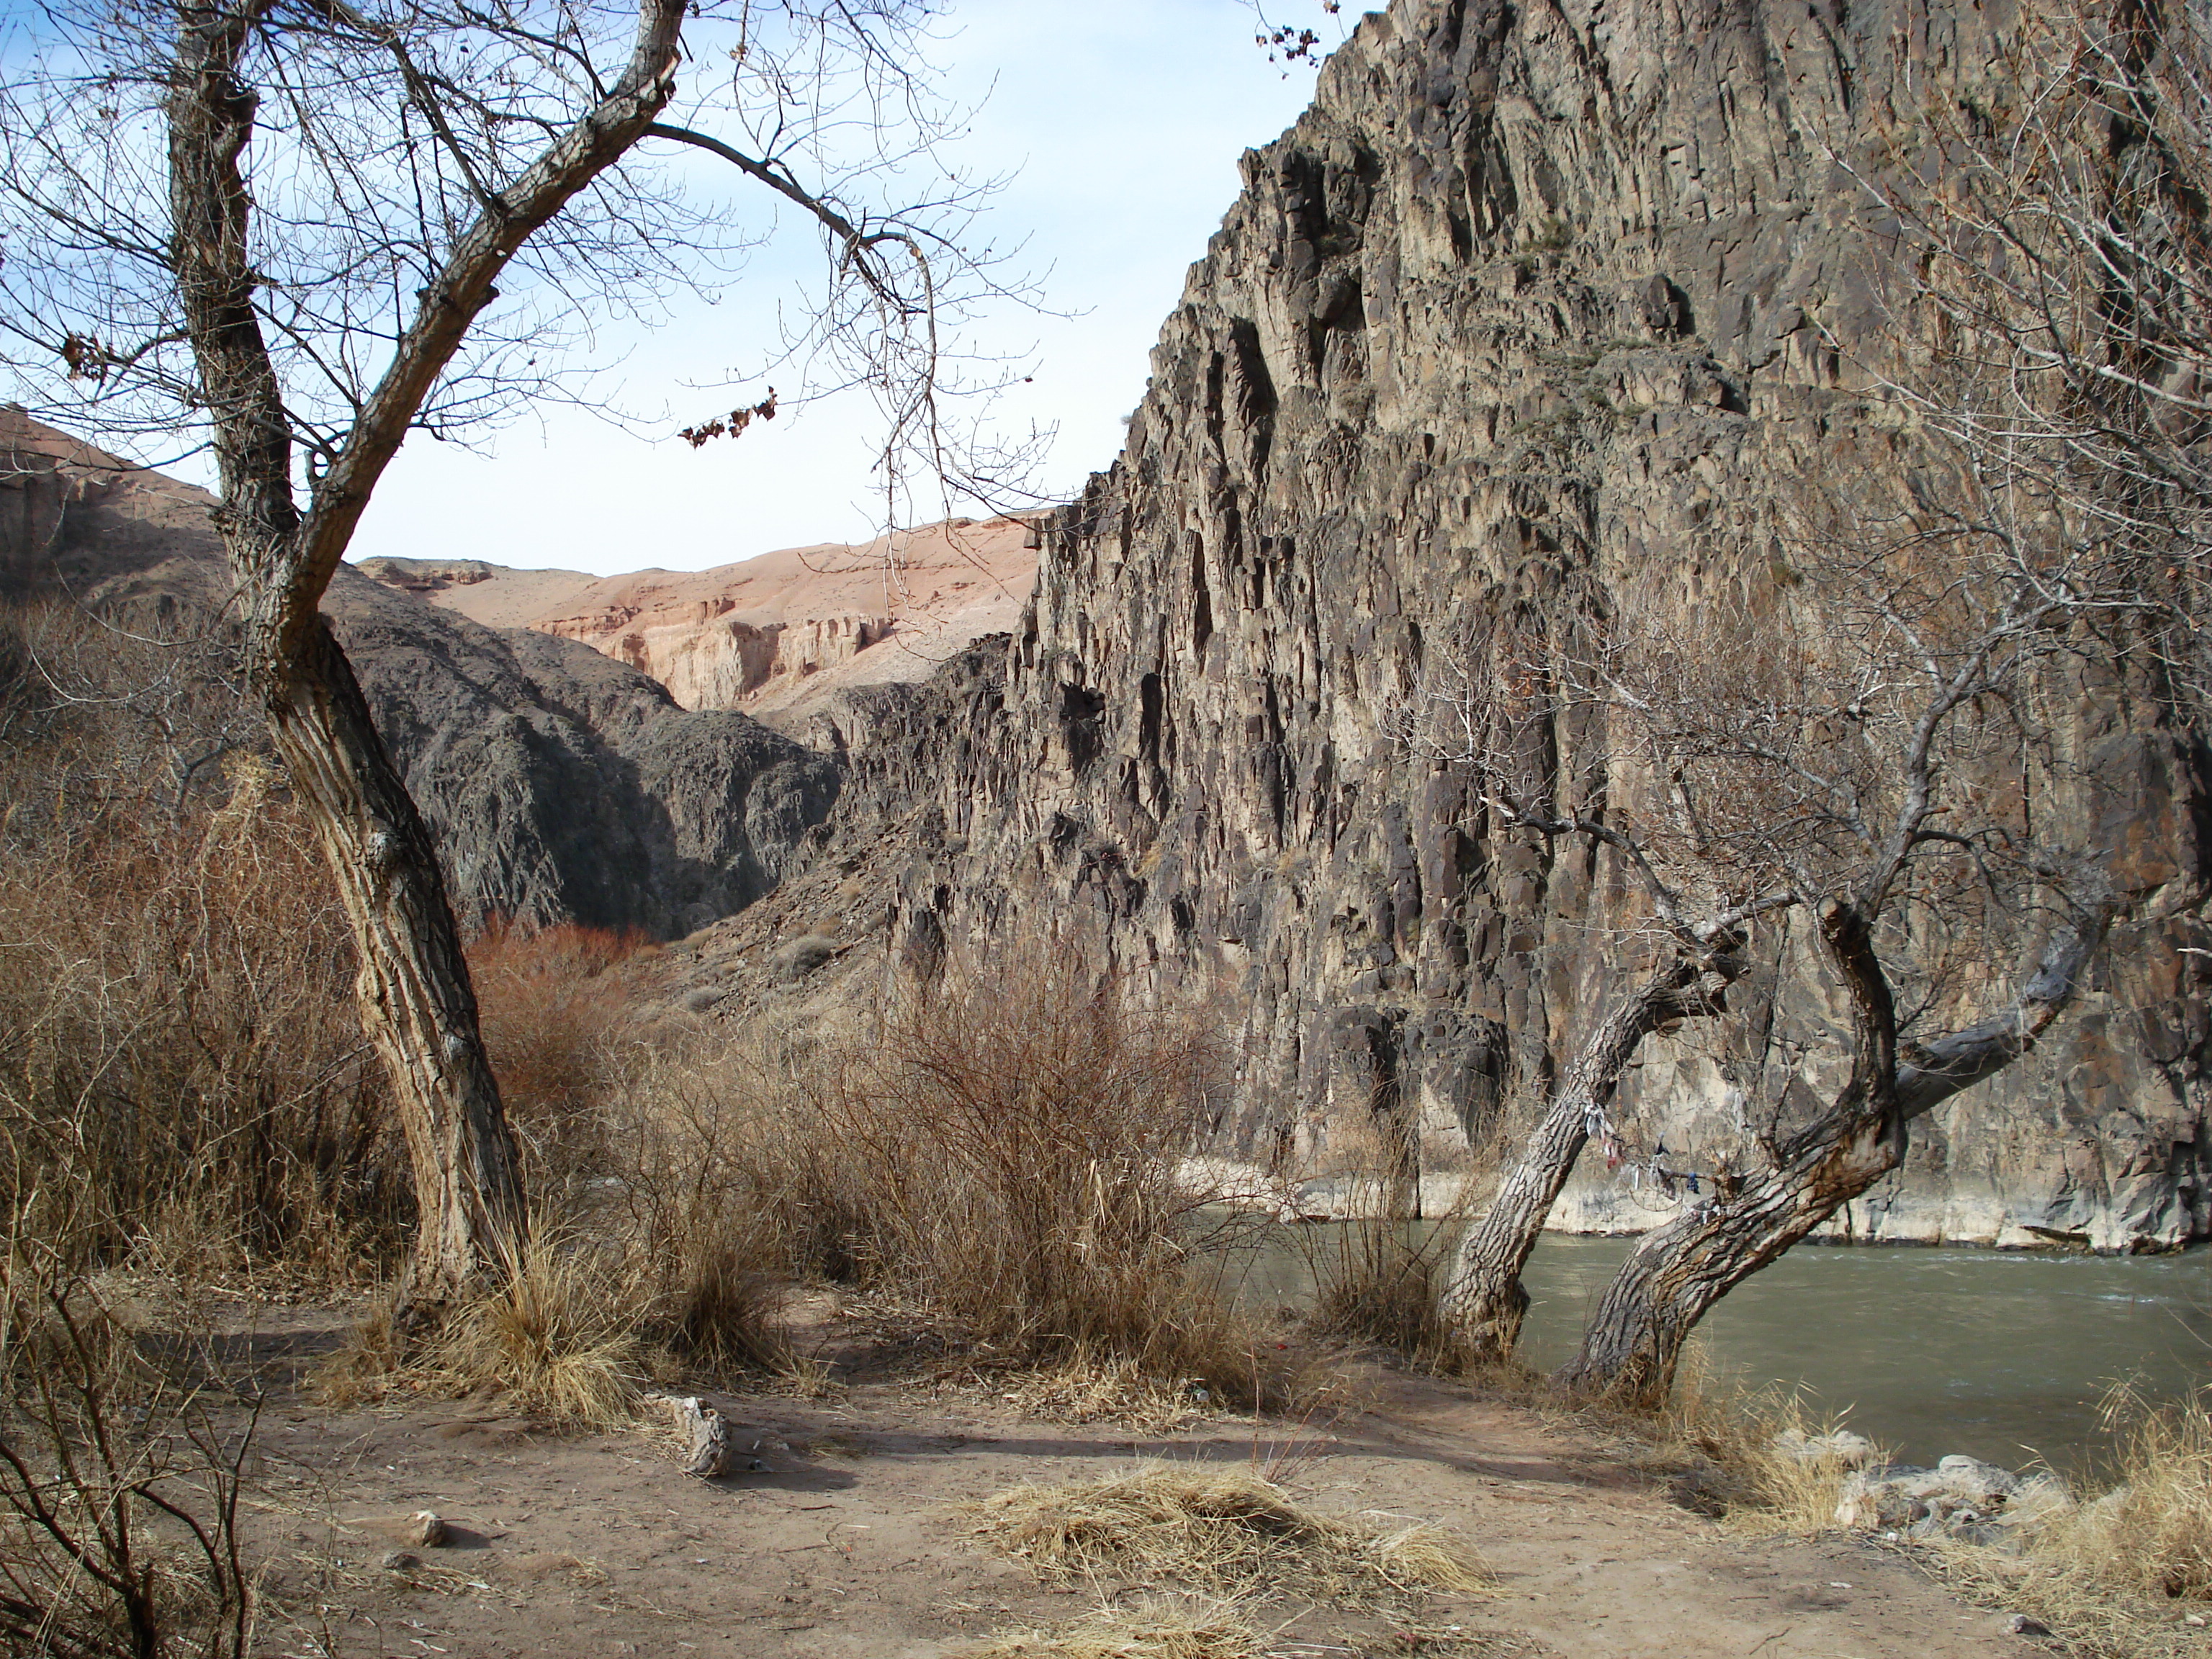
column 1528, row 308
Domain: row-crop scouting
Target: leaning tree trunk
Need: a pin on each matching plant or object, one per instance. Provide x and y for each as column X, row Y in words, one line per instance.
column 416, row 1003
column 1633, row 1342
column 1484, row 1300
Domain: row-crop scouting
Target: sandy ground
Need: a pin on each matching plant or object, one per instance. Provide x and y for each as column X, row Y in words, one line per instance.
column 847, row 1541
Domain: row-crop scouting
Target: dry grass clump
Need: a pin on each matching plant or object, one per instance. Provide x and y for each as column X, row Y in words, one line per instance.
column 1151, row 1629
column 1224, row 1530
column 1759, row 1459
column 2115, row 1577
column 558, row 1338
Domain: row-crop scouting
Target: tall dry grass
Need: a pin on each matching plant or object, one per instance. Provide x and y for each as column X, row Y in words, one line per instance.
column 2117, row 1576
column 1002, row 1150
column 1009, row 1153
column 1379, row 1280
column 2151, row 1533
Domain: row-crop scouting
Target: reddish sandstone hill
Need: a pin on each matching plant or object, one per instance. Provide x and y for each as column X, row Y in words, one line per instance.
column 493, row 594
column 778, row 635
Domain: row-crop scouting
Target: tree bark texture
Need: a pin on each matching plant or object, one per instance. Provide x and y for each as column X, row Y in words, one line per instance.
column 416, row 1003
column 1633, row 1343
column 418, row 1006
column 1484, row 1298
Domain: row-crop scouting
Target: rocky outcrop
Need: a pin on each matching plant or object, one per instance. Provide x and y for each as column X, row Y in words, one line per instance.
column 1497, row 328
column 783, row 635
column 562, row 785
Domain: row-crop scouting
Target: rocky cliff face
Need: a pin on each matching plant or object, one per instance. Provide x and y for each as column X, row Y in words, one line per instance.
column 1498, row 326
column 562, row 785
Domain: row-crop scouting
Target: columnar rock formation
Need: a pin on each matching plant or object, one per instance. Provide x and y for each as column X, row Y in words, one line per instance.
column 1529, row 297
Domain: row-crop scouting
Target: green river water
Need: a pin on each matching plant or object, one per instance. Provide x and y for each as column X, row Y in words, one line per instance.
column 2000, row 1355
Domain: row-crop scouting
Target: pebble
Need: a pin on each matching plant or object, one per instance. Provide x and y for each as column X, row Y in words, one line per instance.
column 400, row 1561
column 425, row 1529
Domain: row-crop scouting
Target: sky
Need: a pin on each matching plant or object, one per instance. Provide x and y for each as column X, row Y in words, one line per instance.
column 1120, row 123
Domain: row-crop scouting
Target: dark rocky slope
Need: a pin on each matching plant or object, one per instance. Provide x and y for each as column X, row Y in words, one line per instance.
column 562, row 785
column 1501, row 322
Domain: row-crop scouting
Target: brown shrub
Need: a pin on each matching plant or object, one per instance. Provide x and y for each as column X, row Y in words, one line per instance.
column 183, row 1078
column 554, row 1016
column 1010, row 1148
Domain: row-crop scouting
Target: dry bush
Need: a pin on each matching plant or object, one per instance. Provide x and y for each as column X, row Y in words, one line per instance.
column 554, row 1016
column 728, row 1193
column 1012, row 1142
column 1379, row 1280
column 119, row 1492
column 182, row 1072
column 1225, row 1531
column 1769, row 1465
column 557, row 1337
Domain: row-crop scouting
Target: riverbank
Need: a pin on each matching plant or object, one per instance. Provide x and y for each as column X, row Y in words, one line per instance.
column 2001, row 1356
column 841, row 1533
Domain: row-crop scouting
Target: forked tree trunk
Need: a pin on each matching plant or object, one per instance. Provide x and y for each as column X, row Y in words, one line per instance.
column 1484, row 1298
column 1633, row 1342
column 416, row 1004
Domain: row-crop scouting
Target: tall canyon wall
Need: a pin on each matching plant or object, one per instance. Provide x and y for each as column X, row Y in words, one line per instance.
column 1533, row 300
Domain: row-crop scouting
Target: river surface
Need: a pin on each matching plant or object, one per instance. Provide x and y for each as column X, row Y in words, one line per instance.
column 2000, row 1355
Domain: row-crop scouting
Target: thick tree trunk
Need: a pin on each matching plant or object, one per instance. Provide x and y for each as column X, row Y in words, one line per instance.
column 1484, row 1298
column 1633, row 1342
column 416, row 1003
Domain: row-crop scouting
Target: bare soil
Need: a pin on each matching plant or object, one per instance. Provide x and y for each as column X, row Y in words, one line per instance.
column 848, row 1541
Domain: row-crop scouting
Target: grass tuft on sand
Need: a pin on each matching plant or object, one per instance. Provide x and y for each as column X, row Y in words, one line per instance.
column 557, row 1338
column 1226, row 1531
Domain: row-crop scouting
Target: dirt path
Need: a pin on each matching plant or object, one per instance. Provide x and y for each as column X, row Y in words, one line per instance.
column 845, row 1541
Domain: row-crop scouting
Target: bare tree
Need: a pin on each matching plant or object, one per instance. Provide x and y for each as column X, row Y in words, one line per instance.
column 1850, row 750
column 1846, row 760
column 2051, row 254
column 301, row 230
